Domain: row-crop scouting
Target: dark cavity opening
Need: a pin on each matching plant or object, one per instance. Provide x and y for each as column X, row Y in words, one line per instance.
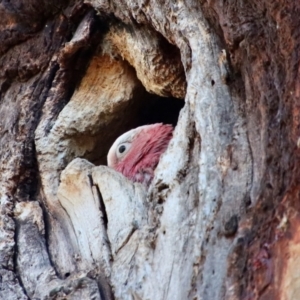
column 155, row 109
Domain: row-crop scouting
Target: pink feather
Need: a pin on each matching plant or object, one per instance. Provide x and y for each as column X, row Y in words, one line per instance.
column 148, row 143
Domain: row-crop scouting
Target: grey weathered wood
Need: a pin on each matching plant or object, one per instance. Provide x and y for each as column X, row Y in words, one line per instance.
column 219, row 221
column 79, row 197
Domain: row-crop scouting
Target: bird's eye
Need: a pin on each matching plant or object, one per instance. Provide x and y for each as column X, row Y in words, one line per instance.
column 122, row 148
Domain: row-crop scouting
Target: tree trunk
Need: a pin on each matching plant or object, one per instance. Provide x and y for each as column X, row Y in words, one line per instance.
column 219, row 220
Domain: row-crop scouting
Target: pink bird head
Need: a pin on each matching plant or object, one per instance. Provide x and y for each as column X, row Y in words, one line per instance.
column 136, row 153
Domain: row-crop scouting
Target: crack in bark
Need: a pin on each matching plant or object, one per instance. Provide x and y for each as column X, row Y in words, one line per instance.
column 47, row 235
column 102, row 204
column 169, row 281
column 133, row 230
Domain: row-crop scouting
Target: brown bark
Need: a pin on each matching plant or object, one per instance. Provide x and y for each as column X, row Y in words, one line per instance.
column 220, row 220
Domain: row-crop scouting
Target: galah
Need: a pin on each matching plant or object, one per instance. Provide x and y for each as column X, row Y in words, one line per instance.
column 136, row 153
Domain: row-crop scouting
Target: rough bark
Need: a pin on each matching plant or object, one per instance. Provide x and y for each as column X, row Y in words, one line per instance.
column 220, row 219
